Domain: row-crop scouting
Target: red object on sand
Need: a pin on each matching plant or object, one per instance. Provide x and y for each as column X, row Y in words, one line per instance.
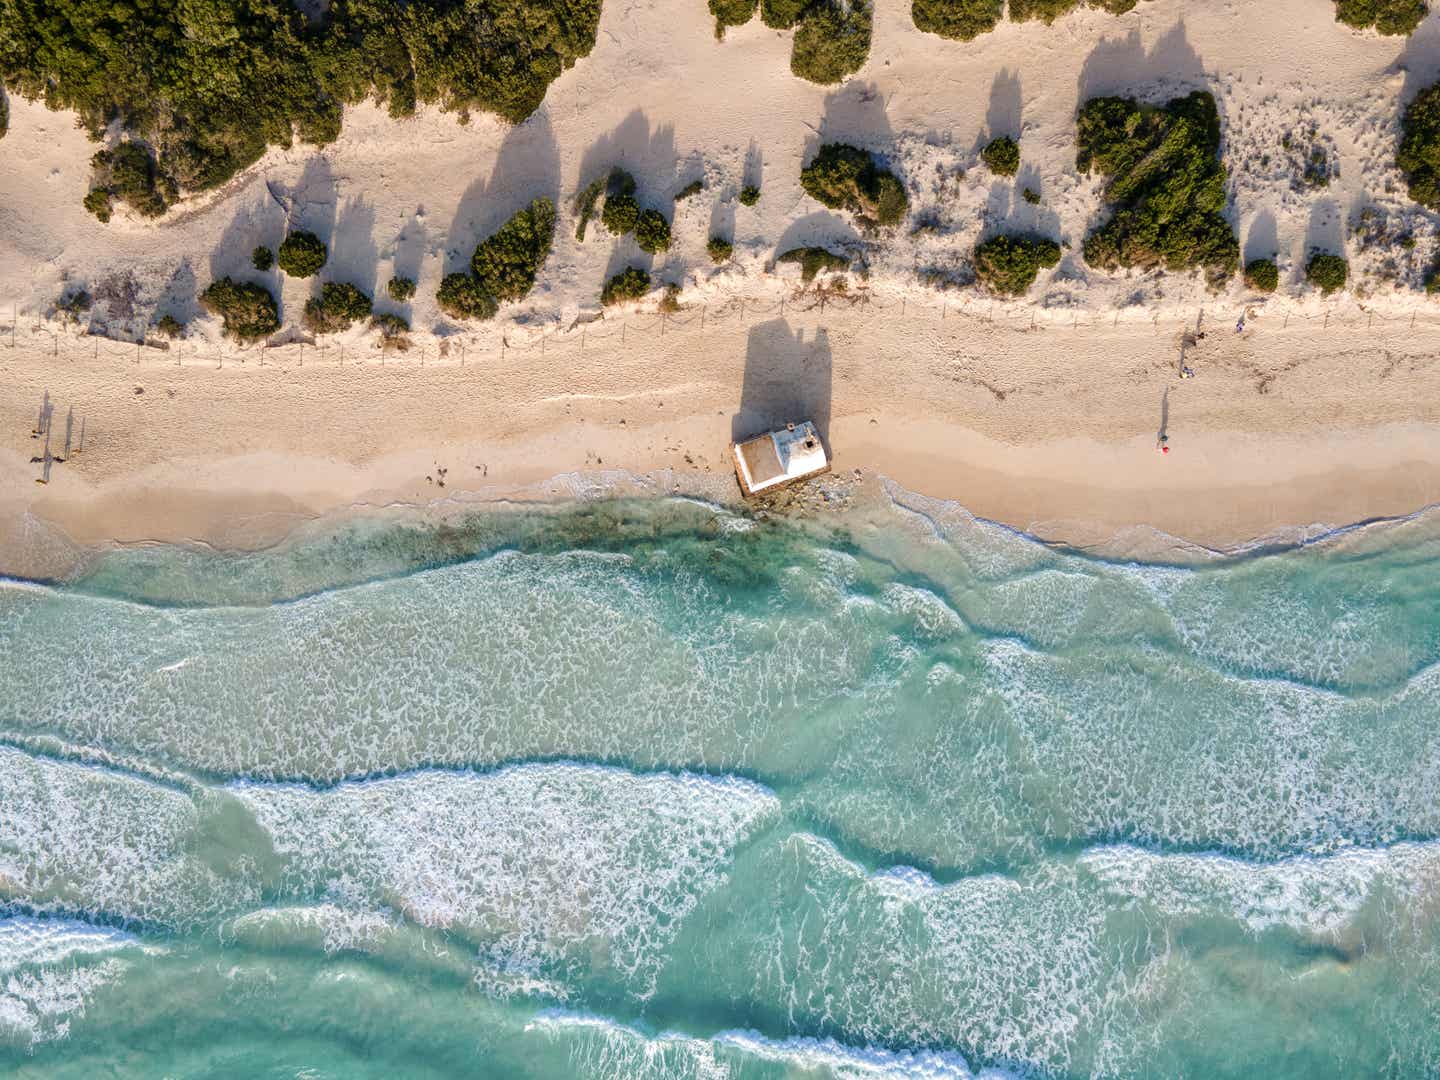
column 1164, row 449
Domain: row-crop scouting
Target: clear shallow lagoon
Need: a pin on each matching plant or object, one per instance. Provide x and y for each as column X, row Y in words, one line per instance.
column 645, row 789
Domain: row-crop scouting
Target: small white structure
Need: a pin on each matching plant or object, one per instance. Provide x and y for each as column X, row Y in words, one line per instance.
column 777, row 458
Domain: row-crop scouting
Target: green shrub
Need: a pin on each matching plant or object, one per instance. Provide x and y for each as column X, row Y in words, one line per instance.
column 629, row 284
column 731, row 13
column 262, row 258
column 248, row 309
column 211, row 84
column 74, row 303
column 128, row 174
column 1031, row 196
column 507, row 264
column 720, row 249
column 1419, row 154
column 170, row 326
column 390, row 325
column 620, row 214
column 1397, row 17
column 585, row 202
column 1166, row 185
column 782, row 14
column 846, row 177
column 336, row 308
column 670, row 300
column 4, row 114
column 302, row 254
column 959, row 20
column 1002, row 155
column 98, row 203
column 652, row 232
column 1432, row 280
column 749, row 195
column 832, row 41
column 1327, row 273
column 461, row 297
column 1262, row 275
column 812, row 260
column 689, row 190
column 1008, row 265
column 400, row 289
column 1047, row 11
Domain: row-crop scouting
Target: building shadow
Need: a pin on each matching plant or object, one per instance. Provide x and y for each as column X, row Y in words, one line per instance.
column 527, row 167
column 1004, row 116
column 787, row 380
column 1123, row 66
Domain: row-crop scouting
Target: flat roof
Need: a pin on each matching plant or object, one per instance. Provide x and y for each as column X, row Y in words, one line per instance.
column 779, row 457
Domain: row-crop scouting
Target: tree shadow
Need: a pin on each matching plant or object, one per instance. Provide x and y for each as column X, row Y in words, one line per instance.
column 820, row 229
column 178, row 299
column 649, row 156
column 406, row 256
column 353, row 256
column 257, row 222
column 527, row 167
column 854, row 114
column 787, row 380
column 1004, row 115
column 1325, row 232
column 1122, row 65
column 1261, row 238
column 315, row 200
column 722, row 217
column 1420, row 59
column 753, row 172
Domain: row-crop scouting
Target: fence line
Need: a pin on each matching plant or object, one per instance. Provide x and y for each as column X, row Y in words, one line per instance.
column 69, row 341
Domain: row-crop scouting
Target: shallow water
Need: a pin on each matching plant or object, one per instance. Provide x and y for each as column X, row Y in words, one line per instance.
column 646, row 789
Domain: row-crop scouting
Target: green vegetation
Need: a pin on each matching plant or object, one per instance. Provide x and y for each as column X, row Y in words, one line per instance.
column 400, row 289
column 504, row 266
column 1047, row 11
column 1398, row 17
column 170, row 326
column 782, row 14
column 720, row 249
column 813, row 260
column 1432, row 280
column 248, row 309
column 461, row 297
column 690, row 189
column 389, row 325
column 302, row 254
column 1008, row 265
column 731, row 13
column 670, row 300
column 1262, row 275
column 959, row 20
column 621, row 213
column 336, row 308
column 4, row 114
column 586, row 200
column 1031, row 196
column 846, row 177
column 629, row 284
column 262, row 258
column 1166, row 182
column 507, row 264
column 1002, row 155
column 210, row 83
column 831, row 41
column 1419, row 154
column 128, row 174
column 73, row 304
column 652, row 232
column 749, row 195
column 1328, row 273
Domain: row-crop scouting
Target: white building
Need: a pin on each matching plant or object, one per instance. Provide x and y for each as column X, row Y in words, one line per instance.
column 777, row 458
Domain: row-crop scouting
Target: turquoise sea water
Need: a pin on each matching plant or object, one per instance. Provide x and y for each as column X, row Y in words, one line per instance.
column 647, row 789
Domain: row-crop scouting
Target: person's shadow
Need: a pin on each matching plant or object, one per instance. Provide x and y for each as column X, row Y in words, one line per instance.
column 1163, row 435
column 787, row 380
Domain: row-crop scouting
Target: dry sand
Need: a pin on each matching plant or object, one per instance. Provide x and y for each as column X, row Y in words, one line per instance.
column 1321, row 413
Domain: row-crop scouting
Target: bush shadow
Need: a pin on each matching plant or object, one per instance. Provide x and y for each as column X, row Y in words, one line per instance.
column 1004, row 116
column 257, row 222
column 823, row 228
column 787, row 379
column 353, row 256
column 647, row 155
column 527, row 167
column 1325, row 232
column 1262, row 239
column 854, row 114
column 179, row 298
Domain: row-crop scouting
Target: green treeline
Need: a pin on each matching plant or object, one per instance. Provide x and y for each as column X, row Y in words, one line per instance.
column 209, row 84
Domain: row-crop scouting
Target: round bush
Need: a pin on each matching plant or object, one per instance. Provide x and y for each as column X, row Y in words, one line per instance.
column 461, row 296
column 1008, row 265
column 749, row 195
column 960, row 20
column 336, row 308
column 1002, row 155
column 1327, row 272
column 720, row 249
column 302, row 254
column 400, row 289
column 630, row 284
column 262, row 258
column 1262, row 275
column 621, row 214
column 248, row 309
column 652, row 232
